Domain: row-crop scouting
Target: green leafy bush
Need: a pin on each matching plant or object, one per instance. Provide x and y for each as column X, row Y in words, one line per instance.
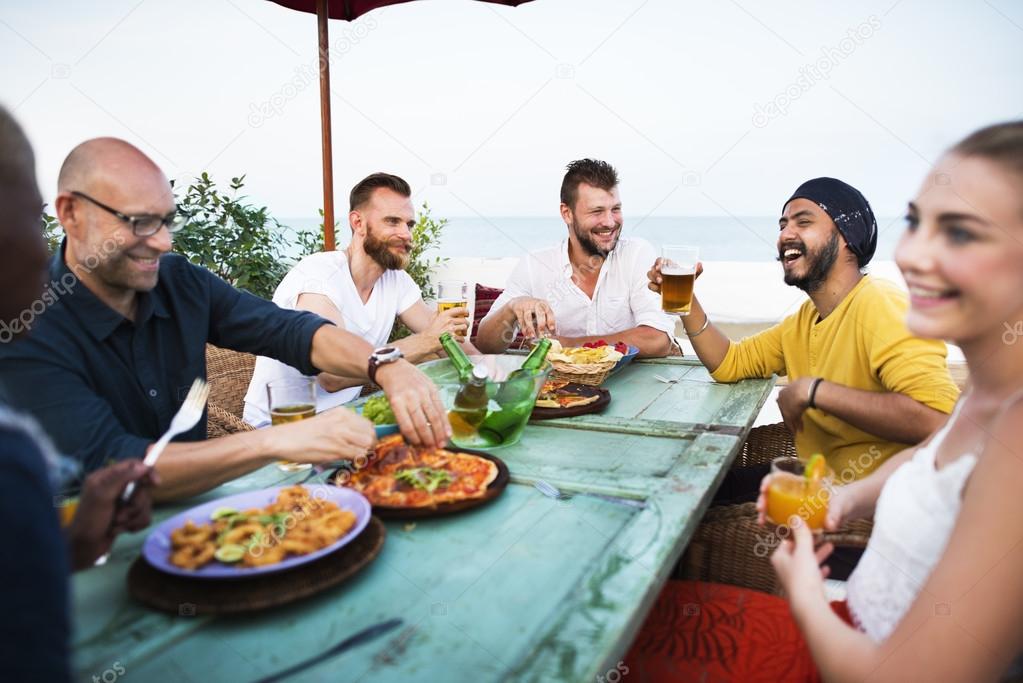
column 252, row 250
column 239, row 242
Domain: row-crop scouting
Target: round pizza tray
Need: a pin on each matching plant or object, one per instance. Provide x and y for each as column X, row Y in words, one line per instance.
column 595, row 407
column 495, row 489
column 190, row 597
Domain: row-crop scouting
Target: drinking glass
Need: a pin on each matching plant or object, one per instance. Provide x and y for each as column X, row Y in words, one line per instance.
column 678, row 273
column 792, row 494
column 291, row 400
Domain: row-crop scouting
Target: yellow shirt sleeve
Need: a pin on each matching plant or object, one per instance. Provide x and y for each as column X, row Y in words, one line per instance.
column 904, row 363
column 757, row 356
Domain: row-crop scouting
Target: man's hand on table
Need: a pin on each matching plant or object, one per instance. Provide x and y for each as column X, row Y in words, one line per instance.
column 101, row 516
column 415, row 402
column 534, row 317
column 336, row 434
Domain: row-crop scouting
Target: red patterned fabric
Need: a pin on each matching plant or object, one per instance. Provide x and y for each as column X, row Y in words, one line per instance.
column 485, row 298
column 714, row 633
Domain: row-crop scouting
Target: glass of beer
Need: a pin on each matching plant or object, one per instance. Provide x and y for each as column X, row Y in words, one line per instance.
column 452, row 294
column 291, row 400
column 678, row 272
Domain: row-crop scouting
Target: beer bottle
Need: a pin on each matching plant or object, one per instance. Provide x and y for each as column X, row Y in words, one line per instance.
column 534, row 360
column 471, row 404
column 458, row 358
column 519, row 384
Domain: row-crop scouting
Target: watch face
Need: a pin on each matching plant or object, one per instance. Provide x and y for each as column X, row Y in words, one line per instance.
column 387, row 353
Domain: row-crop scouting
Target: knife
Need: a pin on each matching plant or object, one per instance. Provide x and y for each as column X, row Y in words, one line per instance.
column 363, row 636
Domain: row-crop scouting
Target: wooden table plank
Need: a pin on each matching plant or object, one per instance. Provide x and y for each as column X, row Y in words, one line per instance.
column 525, row 588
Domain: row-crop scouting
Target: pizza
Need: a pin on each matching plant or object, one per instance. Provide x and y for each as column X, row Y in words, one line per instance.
column 562, row 394
column 399, row 475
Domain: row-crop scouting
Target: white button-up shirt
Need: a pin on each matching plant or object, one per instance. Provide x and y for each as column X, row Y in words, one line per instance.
column 620, row 300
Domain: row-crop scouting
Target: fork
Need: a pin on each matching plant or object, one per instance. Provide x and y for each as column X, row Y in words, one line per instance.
column 186, row 418
column 552, row 491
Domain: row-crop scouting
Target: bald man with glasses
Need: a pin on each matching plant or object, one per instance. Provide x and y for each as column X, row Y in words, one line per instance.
column 109, row 358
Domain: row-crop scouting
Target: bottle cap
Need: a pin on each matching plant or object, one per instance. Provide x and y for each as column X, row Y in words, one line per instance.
column 480, row 371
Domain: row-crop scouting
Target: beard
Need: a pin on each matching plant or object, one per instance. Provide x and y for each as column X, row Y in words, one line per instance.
column 590, row 245
column 380, row 251
column 819, row 264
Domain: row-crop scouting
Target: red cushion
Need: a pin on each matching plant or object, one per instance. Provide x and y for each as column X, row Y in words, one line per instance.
column 700, row 631
column 485, row 298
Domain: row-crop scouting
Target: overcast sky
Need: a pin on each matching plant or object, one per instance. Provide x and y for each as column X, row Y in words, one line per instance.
column 706, row 108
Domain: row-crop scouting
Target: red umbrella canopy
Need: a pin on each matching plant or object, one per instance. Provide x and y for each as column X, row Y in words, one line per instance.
column 346, row 10
column 353, row 9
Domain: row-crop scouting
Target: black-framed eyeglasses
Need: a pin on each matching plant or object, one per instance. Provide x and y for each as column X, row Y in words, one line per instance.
column 142, row 225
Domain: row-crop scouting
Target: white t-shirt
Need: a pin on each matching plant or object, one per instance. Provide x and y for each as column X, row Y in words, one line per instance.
column 620, row 300
column 327, row 273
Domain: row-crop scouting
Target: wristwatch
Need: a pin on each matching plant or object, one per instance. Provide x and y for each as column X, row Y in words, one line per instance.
column 382, row 356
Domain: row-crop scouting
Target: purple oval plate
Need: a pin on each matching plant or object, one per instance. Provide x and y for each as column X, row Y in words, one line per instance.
column 157, row 547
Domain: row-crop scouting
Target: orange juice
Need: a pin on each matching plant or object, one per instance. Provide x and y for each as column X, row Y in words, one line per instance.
column 67, row 512
column 791, row 494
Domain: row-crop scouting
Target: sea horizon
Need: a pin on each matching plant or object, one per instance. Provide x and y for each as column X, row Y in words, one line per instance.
column 720, row 238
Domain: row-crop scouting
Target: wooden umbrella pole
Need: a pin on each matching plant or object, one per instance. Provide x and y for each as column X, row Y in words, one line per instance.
column 322, row 13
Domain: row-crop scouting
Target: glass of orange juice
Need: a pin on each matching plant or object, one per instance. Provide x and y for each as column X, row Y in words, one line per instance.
column 67, row 506
column 795, row 492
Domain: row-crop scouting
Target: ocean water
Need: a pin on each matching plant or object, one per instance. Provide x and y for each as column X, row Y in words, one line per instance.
column 741, row 238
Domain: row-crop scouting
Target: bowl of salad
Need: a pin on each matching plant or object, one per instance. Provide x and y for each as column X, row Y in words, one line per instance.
column 377, row 409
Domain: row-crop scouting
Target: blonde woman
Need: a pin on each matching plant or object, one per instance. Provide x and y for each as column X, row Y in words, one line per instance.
column 937, row 594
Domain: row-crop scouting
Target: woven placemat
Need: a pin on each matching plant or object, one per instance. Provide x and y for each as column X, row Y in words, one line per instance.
column 191, row 597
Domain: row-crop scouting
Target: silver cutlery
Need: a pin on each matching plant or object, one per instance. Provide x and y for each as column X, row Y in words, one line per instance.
column 186, row 418
column 552, row 491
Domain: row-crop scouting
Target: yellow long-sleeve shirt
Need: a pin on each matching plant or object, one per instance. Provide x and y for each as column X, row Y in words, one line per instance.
column 863, row 344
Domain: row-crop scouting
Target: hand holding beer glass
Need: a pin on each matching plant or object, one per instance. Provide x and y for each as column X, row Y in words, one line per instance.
column 453, row 294
column 291, row 400
column 678, row 273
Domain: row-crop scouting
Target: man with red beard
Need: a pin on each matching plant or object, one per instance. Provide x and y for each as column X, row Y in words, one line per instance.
column 591, row 286
column 109, row 360
column 361, row 289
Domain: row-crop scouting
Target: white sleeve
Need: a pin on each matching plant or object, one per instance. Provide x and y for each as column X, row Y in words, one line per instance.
column 646, row 306
column 315, row 274
column 519, row 283
column 408, row 292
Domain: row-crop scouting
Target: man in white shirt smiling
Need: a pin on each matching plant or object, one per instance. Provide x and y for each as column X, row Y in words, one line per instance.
column 591, row 286
column 361, row 289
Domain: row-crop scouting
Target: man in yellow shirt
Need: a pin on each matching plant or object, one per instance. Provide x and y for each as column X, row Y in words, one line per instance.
column 861, row 387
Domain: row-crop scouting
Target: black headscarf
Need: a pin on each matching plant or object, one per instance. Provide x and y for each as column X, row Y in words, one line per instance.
column 848, row 208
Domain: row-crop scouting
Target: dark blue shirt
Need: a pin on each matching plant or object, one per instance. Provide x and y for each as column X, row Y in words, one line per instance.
column 35, row 626
column 104, row 387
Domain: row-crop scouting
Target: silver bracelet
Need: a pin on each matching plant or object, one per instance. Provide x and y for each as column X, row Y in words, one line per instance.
column 706, row 324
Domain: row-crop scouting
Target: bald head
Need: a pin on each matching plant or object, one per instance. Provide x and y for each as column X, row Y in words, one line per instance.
column 118, row 172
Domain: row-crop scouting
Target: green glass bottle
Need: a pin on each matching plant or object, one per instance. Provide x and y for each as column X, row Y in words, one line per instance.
column 470, row 406
column 515, row 398
column 458, row 358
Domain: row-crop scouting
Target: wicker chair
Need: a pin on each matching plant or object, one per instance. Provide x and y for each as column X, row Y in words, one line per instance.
column 228, row 373
column 730, row 547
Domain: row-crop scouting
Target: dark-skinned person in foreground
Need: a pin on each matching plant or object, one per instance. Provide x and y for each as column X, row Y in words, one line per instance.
column 36, row 627
column 110, row 360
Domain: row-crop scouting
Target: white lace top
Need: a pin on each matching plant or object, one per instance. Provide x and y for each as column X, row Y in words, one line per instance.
column 913, row 520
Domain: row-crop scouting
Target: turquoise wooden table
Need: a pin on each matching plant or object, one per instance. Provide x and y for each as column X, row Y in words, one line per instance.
column 524, row 589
